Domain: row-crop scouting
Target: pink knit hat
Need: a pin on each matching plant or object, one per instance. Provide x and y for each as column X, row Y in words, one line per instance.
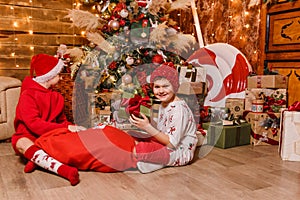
column 168, row 72
column 45, row 67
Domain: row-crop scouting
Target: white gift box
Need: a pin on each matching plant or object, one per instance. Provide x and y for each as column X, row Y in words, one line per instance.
column 193, row 74
column 289, row 147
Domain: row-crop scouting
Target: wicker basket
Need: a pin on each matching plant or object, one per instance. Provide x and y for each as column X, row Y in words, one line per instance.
column 65, row 87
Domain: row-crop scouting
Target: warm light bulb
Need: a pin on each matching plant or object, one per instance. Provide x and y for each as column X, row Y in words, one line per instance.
column 246, row 13
column 178, row 14
column 82, row 33
column 32, row 48
column 15, row 24
column 16, row 39
column 247, row 25
column 30, row 32
column 12, row 54
column 11, row 8
column 17, row 66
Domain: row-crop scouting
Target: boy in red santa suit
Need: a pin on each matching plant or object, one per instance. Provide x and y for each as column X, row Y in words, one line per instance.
column 40, row 110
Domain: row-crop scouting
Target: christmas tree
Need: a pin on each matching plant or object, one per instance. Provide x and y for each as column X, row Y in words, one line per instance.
column 129, row 39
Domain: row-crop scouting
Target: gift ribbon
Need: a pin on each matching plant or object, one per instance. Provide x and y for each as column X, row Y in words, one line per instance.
column 295, row 106
column 135, row 103
column 272, row 102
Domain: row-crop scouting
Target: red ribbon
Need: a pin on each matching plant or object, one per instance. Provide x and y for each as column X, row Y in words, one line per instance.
column 295, row 106
column 272, row 102
column 135, row 103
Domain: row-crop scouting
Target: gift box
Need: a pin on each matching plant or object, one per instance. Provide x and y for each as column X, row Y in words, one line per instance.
column 99, row 116
column 289, row 147
column 235, row 106
column 274, row 99
column 191, row 73
column 267, row 81
column 264, row 128
column 227, row 136
column 134, row 104
column 217, row 114
column 189, row 88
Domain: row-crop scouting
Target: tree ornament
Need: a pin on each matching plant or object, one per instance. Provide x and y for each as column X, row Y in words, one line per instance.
column 138, row 61
column 157, row 59
column 143, row 34
column 129, row 60
column 124, row 13
column 114, row 24
column 105, row 15
column 122, row 22
column 111, row 7
column 85, row 1
column 126, row 79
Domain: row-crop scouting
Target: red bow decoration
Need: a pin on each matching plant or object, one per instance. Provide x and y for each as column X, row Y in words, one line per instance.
column 270, row 101
column 295, row 106
column 135, row 103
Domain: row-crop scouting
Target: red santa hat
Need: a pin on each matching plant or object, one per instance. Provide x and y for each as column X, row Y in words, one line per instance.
column 45, row 67
column 167, row 72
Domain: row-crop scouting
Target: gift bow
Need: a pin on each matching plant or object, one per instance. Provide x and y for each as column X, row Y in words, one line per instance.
column 270, row 101
column 295, row 106
column 135, row 103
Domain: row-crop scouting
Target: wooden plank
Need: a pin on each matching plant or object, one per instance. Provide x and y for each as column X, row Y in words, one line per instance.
column 23, row 12
column 52, row 4
column 37, row 26
column 25, row 39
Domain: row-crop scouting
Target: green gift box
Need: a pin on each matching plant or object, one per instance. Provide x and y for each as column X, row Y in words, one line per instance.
column 145, row 110
column 227, row 136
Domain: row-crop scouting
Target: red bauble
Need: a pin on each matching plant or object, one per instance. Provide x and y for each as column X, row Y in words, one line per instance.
column 157, row 59
column 122, row 22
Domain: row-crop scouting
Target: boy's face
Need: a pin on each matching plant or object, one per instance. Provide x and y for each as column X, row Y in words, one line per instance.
column 55, row 80
column 163, row 90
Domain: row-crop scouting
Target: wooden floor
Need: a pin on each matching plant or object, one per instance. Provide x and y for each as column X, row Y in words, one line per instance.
column 244, row 172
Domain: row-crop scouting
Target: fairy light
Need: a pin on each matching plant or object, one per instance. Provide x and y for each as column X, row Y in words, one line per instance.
column 30, row 32
column 82, row 33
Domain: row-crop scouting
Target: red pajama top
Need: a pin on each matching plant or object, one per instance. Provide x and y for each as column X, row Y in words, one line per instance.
column 39, row 110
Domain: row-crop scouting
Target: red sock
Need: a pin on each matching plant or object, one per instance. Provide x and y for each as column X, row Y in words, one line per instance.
column 42, row 159
column 29, row 167
column 152, row 152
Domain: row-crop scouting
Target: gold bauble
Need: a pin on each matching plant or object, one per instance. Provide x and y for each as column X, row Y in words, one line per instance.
column 111, row 7
column 105, row 15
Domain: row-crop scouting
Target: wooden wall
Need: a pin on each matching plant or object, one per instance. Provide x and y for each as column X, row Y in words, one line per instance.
column 280, row 44
column 46, row 19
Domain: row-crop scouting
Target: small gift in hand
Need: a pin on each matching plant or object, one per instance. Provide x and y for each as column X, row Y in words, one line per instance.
column 139, row 104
